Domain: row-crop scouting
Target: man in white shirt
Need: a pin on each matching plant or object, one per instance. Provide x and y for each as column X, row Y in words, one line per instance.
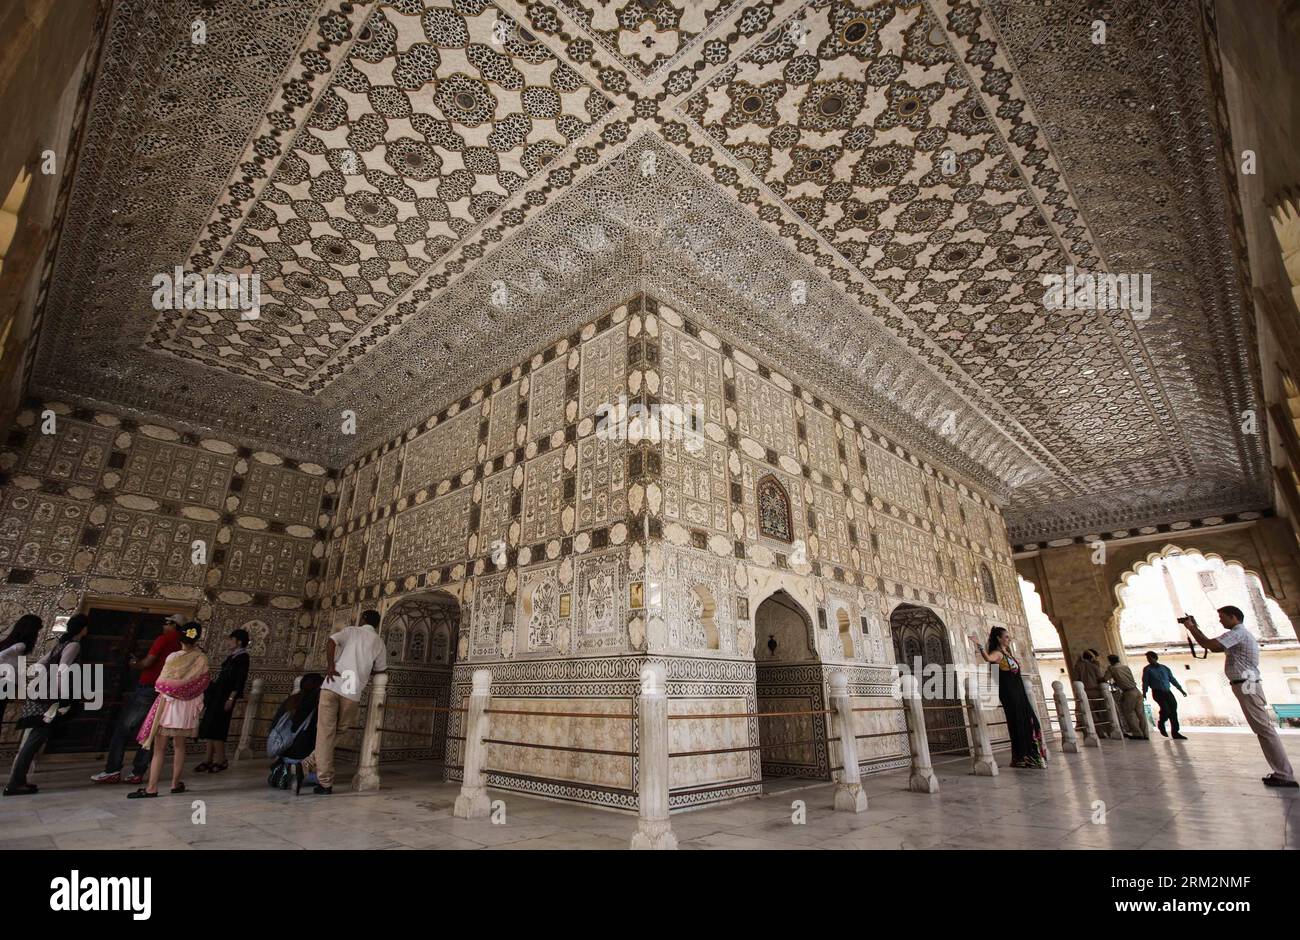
column 1241, row 665
column 354, row 654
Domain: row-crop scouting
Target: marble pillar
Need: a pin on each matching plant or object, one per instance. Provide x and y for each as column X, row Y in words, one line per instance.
column 251, row 708
column 849, row 796
column 1069, row 741
column 473, row 803
column 367, row 775
column 1116, row 730
column 653, row 829
column 983, row 763
column 1083, row 716
column 922, row 778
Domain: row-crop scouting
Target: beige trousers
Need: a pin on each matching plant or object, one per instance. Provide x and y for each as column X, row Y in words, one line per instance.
column 332, row 714
column 1260, row 718
column 1132, row 713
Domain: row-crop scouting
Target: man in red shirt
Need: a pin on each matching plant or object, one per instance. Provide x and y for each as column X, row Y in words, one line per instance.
column 137, row 708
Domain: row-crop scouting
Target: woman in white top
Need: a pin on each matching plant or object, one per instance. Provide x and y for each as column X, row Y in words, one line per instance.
column 21, row 641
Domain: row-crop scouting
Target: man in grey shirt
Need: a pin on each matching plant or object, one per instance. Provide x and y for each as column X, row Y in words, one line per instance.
column 1241, row 664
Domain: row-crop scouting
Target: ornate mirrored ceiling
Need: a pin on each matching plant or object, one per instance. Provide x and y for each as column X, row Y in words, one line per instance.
column 868, row 195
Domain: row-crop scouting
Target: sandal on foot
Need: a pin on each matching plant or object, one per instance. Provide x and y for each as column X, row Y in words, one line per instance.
column 218, row 768
column 141, row 794
column 203, row 768
column 179, row 788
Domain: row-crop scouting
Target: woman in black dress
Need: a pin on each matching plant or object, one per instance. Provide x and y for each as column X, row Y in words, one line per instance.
column 1027, row 748
column 219, row 703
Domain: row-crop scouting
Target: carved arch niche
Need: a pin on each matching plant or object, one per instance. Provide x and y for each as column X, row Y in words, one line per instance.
column 774, row 518
column 986, row 583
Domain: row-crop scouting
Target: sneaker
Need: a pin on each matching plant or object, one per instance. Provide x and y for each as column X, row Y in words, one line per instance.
column 322, row 791
column 133, row 778
column 105, row 776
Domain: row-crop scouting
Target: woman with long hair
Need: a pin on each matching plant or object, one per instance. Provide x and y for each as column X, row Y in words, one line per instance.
column 175, row 712
column 21, row 641
column 1027, row 749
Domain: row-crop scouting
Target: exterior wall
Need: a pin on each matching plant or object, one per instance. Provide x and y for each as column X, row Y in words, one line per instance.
column 106, row 509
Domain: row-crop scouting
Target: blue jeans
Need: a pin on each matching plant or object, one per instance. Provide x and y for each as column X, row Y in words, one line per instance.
column 133, row 716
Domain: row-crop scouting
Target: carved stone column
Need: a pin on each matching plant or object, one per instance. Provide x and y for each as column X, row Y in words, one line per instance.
column 922, row 779
column 1112, row 713
column 849, row 796
column 654, row 829
column 983, row 764
column 251, row 708
column 1083, row 715
column 367, row 775
column 1069, row 741
column 473, row 803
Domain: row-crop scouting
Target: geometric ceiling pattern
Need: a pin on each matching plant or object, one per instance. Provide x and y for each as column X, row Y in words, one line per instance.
column 430, row 189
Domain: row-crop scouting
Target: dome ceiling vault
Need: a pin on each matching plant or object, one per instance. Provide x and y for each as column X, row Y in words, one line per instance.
column 429, row 191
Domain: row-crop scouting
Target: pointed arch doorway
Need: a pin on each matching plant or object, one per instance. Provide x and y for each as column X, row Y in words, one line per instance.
column 787, row 676
column 419, row 634
column 921, row 641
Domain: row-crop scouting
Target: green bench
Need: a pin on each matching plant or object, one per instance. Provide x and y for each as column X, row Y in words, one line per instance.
column 1286, row 713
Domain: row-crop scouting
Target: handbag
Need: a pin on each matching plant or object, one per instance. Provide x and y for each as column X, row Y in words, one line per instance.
column 283, row 734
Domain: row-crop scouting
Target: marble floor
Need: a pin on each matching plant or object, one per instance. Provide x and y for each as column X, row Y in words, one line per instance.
column 1201, row 793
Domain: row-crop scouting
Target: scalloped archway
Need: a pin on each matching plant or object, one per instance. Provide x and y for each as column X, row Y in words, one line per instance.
column 1154, row 591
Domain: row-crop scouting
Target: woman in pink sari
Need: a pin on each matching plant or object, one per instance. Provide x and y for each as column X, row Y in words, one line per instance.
column 175, row 713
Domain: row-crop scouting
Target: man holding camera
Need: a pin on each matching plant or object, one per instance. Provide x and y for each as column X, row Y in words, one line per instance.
column 1241, row 664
